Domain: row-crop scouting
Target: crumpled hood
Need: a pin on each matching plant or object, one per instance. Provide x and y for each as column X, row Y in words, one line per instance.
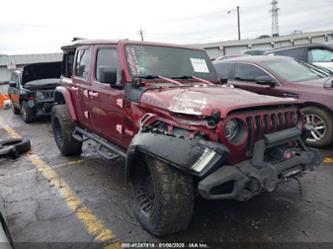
column 202, row 100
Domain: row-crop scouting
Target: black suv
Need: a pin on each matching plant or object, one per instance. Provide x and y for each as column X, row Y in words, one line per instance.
column 31, row 89
column 315, row 53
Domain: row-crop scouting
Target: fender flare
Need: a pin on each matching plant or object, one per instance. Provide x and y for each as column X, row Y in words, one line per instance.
column 62, row 94
column 182, row 153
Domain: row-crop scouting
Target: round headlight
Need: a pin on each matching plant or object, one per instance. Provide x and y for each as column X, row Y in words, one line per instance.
column 231, row 129
column 39, row 95
column 235, row 131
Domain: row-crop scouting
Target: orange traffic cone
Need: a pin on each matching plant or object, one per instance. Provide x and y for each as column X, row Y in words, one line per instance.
column 3, row 97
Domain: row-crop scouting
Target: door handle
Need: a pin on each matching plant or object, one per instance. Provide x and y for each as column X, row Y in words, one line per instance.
column 74, row 88
column 93, row 94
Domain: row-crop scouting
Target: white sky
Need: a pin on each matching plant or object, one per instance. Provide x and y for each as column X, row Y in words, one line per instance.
column 33, row 26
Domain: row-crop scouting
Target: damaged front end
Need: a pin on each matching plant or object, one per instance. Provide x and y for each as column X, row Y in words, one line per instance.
column 197, row 157
column 275, row 158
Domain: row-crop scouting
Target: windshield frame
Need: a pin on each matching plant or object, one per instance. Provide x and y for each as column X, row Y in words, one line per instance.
column 213, row 77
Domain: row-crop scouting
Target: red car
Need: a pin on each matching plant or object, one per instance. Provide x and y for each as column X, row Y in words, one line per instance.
column 286, row 77
column 181, row 133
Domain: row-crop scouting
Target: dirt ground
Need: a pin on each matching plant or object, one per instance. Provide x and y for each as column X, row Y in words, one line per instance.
column 70, row 202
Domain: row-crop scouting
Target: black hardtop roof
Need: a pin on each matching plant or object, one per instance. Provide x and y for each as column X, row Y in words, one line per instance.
column 87, row 42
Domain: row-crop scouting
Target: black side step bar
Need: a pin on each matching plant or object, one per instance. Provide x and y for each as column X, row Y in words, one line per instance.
column 83, row 135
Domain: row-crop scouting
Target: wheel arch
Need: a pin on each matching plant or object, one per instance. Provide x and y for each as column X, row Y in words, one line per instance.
column 63, row 96
column 318, row 105
column 177, row 152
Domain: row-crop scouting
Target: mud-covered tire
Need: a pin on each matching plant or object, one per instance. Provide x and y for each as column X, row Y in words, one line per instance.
column 27, row 112
column 14, row 147
column 326, row 118
column 15, row 110
column 63, row 128
column 170, row 194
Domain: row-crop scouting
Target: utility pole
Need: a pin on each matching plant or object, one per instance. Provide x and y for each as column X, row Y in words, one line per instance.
column 141, row 34
column 275, row 18
column 238, row 21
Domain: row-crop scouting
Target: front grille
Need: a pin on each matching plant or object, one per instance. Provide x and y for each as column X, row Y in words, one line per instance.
column 261, row 124
column 48, row 94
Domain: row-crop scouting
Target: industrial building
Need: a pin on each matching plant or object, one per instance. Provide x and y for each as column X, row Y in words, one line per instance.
column 217, row 49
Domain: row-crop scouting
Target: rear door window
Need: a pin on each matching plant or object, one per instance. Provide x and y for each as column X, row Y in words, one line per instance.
column 297, row 53
column 248, row 72
column 82, row 63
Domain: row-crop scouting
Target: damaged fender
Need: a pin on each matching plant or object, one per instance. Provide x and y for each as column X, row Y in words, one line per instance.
column 197, row 157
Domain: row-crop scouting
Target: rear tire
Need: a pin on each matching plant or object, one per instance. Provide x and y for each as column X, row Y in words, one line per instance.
column 321, row 123
column 163, row 197
column 63, row 128
column 27, row 112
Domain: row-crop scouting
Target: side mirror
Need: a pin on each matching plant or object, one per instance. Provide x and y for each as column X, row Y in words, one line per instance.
column 107, row 74
column 12, row 83
column 265, row 80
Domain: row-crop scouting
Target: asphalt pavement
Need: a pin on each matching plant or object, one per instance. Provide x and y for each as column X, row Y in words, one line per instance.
column 83, row 202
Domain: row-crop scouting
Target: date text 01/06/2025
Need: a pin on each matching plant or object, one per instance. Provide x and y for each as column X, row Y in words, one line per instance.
column 165, row 245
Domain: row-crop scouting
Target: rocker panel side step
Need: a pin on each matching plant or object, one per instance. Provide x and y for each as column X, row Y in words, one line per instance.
column 83, row 135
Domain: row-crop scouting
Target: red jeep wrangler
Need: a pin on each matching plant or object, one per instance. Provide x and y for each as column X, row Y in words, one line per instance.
column 180, row 131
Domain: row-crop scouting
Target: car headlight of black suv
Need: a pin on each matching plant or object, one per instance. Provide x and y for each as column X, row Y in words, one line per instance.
column 40, row 95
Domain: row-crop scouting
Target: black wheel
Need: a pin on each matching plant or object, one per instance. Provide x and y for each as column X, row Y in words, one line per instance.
column 320, row 123
column 163, row 197
column 27, row 112
column 15, row 110
column 63, row 128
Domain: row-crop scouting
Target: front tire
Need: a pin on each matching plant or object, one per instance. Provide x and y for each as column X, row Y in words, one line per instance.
column 15, row 110
column 320, row 123
column 63, row 128
column 163, row 197
column 27, row 112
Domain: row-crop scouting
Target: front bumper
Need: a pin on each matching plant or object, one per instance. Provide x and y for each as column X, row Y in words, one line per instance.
column 249, row 178
column 42, row 107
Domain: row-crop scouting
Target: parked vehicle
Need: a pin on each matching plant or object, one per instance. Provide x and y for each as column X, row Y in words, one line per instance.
column 254, row 51
column 224, row 57
column 317, row 54
column 161, row 107
column 31, row 89
column 286, row 77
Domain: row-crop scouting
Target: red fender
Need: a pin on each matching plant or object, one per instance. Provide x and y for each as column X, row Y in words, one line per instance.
column 61, row 91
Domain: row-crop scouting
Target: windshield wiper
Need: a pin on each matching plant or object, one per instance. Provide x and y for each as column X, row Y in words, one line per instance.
column 185, row 77
column 152, row 76
column 317, row 69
